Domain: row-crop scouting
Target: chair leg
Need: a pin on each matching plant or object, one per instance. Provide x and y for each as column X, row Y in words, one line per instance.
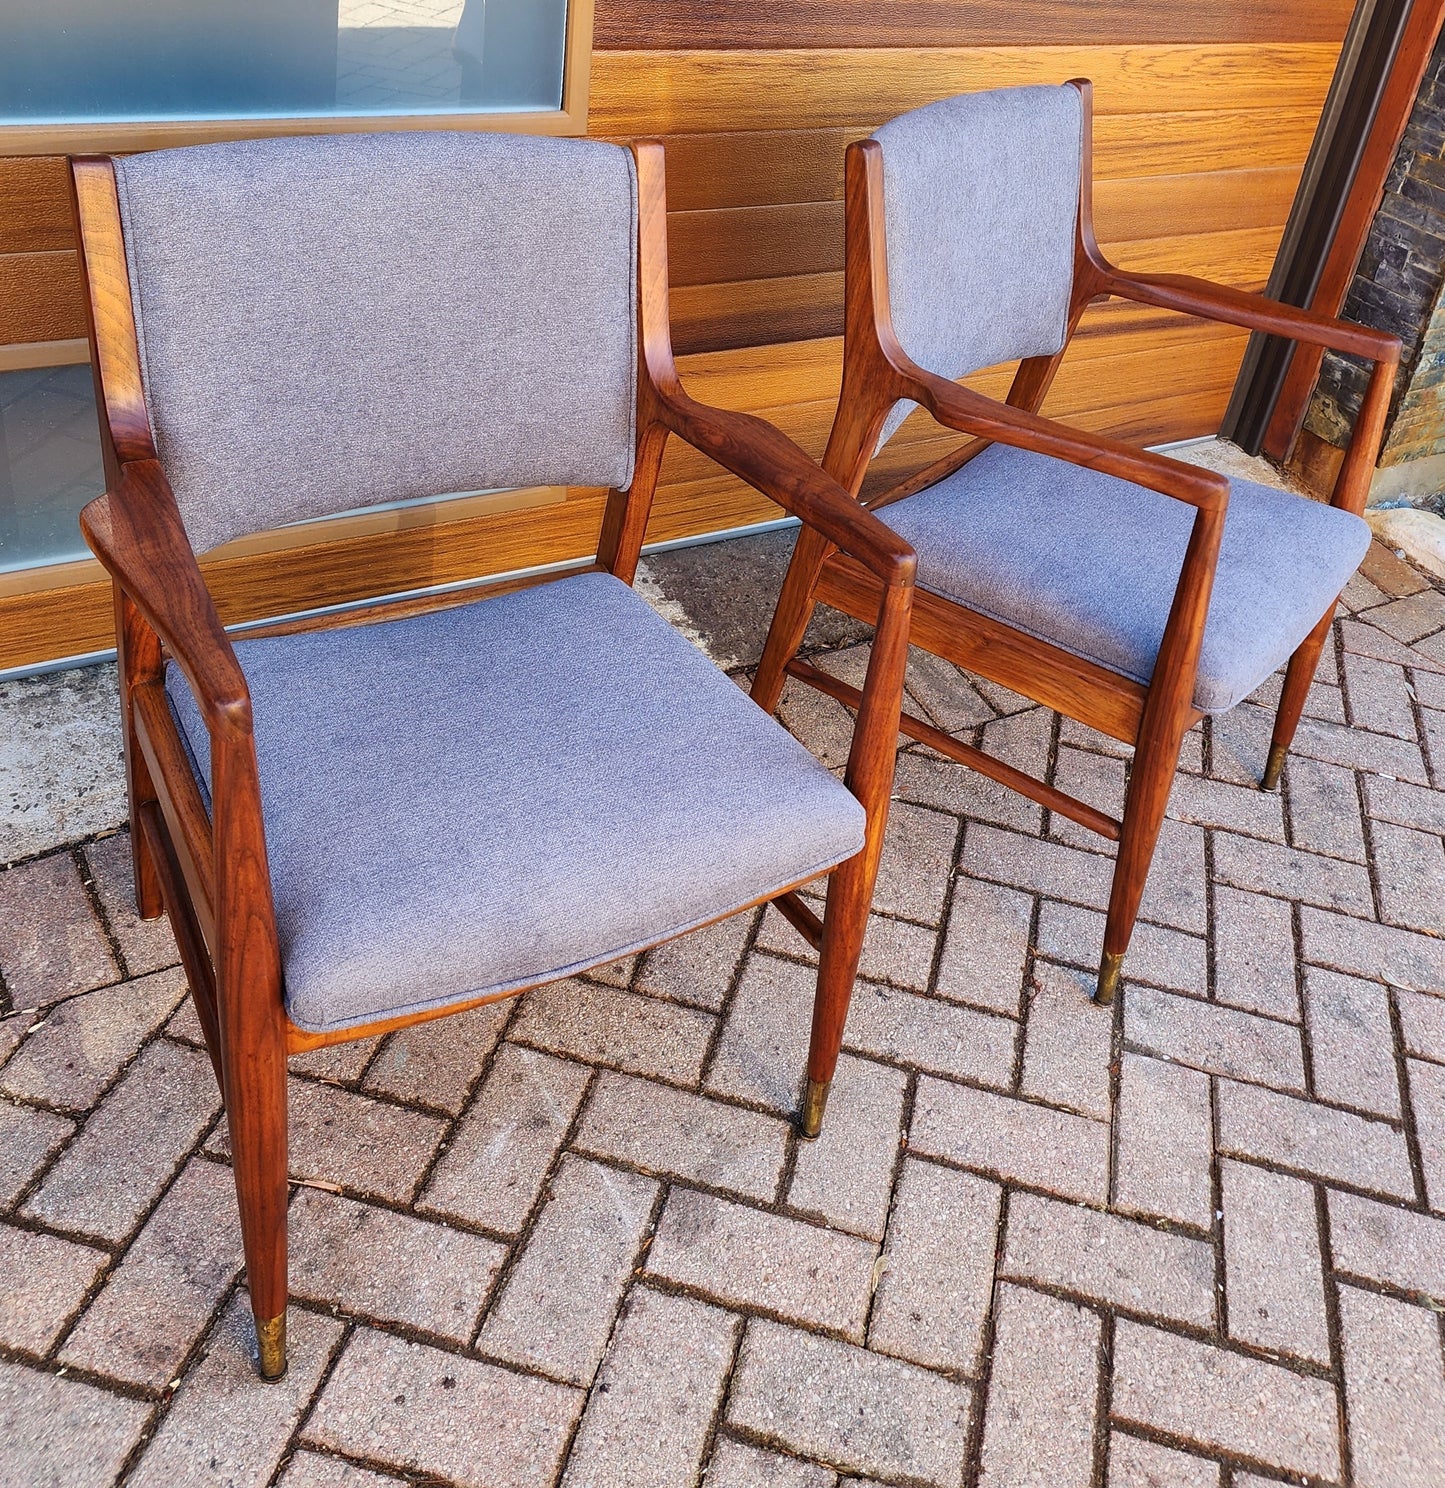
column 1153, row 775
column 138, row 659
column 850, row 891
column 1297, row 679
column 144, row 875
column 790, row 620
column 256, row 1110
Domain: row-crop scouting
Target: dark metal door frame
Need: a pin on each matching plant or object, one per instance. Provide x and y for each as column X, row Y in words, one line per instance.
column 1383, row 59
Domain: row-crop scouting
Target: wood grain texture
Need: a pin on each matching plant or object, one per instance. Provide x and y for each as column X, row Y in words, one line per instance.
column 1136, row 208
column 220, row 896
column 1257, row 135
column 750, row 448
column 35, row 214
column 774, row 167
column 223, row 881
column 187, row 819
column 756, row 167
column 681, row 92
column 75, row 619
column 1131, row 382
column 40, row 297
column 760, row 311
column 983, row 646
column 733, row 244
column 749, row 168
column 717, row 24
column 151, row 844
column 1095, row 378
column 757, row 312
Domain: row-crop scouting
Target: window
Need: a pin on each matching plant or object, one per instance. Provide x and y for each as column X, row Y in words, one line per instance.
column 49, row 464
column 113, row 61
column 100, row 76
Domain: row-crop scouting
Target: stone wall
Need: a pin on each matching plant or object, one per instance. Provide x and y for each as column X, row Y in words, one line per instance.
column 1398, row 287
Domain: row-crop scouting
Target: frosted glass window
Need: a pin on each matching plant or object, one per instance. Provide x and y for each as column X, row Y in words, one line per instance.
column 73, row 61
column 50, row 464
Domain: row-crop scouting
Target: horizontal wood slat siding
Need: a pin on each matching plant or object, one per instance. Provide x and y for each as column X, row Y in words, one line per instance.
column 744, row 312
column 40, row 297
column 737, row 243
column 754, row 168
column 666, row 24
column 1204, row 139
column 1204, row 116
column 698, row 92
column 35, row 205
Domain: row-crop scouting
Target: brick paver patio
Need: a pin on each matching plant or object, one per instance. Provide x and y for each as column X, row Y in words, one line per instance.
column 1195, row 1241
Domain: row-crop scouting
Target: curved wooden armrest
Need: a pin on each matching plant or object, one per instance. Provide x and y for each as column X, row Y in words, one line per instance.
column 136, row 532
column 770, row 462
column 1253, row 311
column 971, row 413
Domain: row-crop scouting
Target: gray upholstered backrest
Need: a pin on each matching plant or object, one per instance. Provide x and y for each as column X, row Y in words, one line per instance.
column 981, row 197
column 338, row 321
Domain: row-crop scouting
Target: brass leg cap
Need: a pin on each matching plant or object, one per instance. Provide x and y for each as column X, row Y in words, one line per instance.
column 271, row 1347
column 1273, row 766
column 815, row 1102
column 1111, row 969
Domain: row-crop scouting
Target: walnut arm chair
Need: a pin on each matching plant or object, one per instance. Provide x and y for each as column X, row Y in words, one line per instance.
column 361, row 827
column 1124, row 589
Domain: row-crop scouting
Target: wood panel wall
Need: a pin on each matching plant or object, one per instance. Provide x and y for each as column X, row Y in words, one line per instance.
column 1204, row 116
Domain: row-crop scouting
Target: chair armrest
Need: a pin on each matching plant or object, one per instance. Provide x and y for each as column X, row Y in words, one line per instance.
column 136, row 532
column 1178, row 660
column 1253, row 311
column 971, row 413
column 770, row 462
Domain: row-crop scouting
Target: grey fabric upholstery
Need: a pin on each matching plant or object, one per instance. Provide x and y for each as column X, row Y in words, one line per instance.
column 981, row 202
column 1091, row 562
column 477, row 799
column 332, row 322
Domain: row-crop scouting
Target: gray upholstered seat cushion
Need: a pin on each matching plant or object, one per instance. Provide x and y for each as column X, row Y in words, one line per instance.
column 341, row 320
column 1091, row 562
column 485, row 797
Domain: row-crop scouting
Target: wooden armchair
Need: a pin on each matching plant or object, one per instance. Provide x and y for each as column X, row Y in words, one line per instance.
column 358, row 828
column 1122, row 588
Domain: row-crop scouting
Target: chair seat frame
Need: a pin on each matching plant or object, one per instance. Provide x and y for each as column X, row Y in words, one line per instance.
column 1153, row 717
column 207, row 869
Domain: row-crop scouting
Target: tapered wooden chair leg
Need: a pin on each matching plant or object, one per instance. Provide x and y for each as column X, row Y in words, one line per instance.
column 1298, row 677
column 256, row 1110
column 790, row 620
column 846, row 922
column 1143, row 816
column 138, row 660
column 148, row 902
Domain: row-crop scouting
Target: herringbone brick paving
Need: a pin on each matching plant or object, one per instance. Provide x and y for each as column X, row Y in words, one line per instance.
column 1197, row 1241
